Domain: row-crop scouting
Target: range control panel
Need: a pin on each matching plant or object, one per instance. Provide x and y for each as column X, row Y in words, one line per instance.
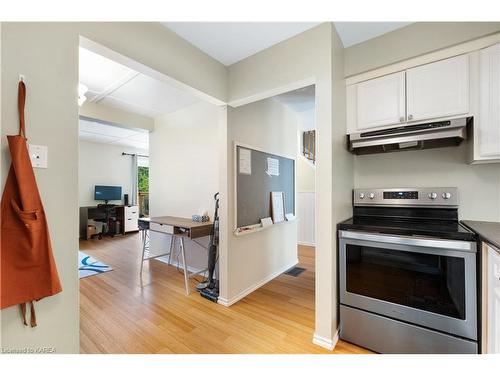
column 443, row 197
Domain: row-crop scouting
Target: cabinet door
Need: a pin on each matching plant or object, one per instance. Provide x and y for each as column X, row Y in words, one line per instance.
column 439, row 89
column 493, row 301
column 487, row 126
column 380, row 101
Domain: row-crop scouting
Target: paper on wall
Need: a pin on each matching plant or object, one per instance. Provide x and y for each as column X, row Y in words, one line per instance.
column 273, row 167
column 278, row 206
column 245, row 161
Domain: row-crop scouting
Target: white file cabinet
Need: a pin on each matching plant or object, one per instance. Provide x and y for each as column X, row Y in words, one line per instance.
column 131, row 218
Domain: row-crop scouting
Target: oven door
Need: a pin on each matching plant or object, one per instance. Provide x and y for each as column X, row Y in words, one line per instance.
column 428, row 282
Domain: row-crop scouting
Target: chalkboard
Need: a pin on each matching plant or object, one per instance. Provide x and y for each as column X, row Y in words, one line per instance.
column 256, row 178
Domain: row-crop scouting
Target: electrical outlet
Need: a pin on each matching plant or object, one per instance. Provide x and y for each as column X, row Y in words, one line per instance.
column 38, row 156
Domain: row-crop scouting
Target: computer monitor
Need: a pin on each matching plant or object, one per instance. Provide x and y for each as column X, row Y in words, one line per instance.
column 107, row 193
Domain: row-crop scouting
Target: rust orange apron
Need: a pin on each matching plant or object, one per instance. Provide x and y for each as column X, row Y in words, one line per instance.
column 28, row 270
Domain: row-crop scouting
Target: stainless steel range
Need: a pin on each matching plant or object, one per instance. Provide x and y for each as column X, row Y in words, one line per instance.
column 407, row 273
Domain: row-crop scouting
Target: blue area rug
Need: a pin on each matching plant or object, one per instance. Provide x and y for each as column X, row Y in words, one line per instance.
column 88, row 266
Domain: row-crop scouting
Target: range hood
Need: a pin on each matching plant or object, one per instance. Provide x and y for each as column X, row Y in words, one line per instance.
column 410, row 137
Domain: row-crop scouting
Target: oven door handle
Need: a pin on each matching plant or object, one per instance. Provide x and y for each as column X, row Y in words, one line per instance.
column 465, row 246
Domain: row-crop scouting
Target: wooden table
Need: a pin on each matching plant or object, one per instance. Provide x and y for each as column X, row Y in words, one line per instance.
column 177, row 228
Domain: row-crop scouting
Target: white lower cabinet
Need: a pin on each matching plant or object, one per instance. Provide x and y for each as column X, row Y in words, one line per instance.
column 131, row 218
column 493, row 280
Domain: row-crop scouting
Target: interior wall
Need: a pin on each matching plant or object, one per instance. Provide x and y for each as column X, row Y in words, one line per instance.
column 184, row 170
column 258, row 257
column 104, row 164
column 439, row 167
column 343, row 162
column 305, row 175
column 436, row 167
column 411, row 41
column 49, row 60
column 305, row 57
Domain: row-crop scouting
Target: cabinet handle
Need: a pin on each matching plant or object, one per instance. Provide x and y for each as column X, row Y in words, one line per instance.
column 410, row 117
column 401, row 119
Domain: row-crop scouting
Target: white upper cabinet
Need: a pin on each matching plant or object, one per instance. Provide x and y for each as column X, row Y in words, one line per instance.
column 487, row 124
column 380, row 101
column 439, row 89
column 431, row 92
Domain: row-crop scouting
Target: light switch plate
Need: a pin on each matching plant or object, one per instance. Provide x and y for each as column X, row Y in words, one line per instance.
column 38, row 156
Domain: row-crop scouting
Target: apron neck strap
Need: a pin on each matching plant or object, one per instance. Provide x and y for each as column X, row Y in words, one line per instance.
column 21, row 100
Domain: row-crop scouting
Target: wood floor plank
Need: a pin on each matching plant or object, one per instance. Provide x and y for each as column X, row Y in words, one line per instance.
column 121, row 312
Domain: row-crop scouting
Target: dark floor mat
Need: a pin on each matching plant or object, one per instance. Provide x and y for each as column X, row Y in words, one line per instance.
column 295, row 271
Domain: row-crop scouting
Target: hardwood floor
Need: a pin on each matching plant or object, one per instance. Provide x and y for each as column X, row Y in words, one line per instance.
column 119, row 313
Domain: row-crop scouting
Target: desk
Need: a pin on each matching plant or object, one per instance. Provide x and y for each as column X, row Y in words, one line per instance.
column 126, row 215
column 177, row 228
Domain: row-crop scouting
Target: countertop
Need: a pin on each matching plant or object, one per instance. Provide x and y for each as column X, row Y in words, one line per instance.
column 488, row 231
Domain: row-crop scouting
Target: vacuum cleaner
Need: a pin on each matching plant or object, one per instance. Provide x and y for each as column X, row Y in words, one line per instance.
column 209, row 288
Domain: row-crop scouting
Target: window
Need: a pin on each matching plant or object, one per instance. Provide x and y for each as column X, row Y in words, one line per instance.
column 143, row 187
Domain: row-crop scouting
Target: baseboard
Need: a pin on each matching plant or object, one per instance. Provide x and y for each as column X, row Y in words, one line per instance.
column 326, row 342
column 230, row 301
column 303, row 243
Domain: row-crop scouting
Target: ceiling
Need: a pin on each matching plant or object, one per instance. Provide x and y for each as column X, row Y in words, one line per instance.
column 118, row 86
column 230, row 42
column 93, row 131
column 353, row 33
column 302, row 102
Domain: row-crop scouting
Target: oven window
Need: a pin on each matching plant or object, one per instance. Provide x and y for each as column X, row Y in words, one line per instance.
column 429, row 282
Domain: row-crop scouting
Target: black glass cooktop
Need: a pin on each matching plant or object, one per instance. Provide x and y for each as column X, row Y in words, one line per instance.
column 413, row 222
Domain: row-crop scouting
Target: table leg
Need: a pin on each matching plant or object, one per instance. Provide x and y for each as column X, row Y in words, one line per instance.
column 143, row 232
column 186, row 275
column 171, row 248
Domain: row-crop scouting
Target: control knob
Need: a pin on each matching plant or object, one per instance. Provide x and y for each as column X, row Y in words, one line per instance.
column 446, row 195
column 361, row 195
column 432, row 195
column 372, row 195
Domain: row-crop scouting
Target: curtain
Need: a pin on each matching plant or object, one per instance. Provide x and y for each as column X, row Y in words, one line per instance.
column 135, row 182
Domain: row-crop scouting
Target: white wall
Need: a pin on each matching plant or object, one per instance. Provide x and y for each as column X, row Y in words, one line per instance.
column 256, row 258
column 49, row 60
column 306, row 174
column 478, row 185
column 411, row 41
column 297, row 62
column 184, row 170
column 306, row 212
column 306, row 196
column 104, row 164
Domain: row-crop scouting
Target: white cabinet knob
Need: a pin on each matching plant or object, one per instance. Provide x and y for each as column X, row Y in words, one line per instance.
column 410, row 117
